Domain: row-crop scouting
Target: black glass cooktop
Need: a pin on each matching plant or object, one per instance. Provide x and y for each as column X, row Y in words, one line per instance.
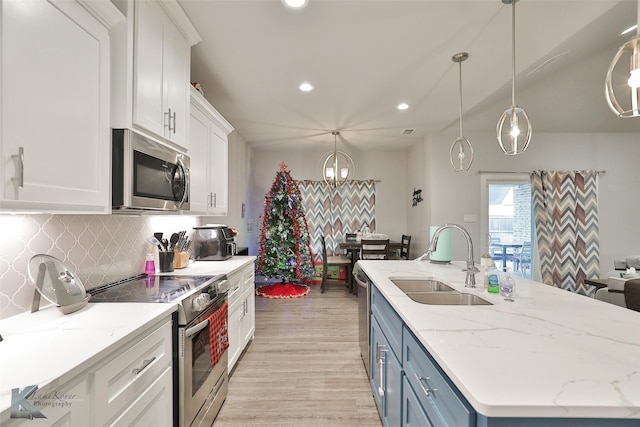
column 148, row 289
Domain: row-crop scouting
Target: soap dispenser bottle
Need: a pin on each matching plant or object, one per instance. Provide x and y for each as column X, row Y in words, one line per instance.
column 150, row 265
column 507, row 286
column 493, row 280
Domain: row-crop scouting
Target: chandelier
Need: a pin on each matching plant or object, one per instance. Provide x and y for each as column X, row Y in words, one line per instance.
column 461, row 151
column 628, row 107
column 510, row 126
column 337, row 166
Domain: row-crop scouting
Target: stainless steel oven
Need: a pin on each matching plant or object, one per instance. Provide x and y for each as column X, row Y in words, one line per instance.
column 201, row 337
column 147, row 175
column 203, row 386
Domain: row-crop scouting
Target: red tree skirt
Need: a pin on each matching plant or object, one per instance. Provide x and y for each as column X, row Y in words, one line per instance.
column 283, row 290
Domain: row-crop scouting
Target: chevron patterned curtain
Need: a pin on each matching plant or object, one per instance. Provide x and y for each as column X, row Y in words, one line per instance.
column 566, row 221
column 333, row 212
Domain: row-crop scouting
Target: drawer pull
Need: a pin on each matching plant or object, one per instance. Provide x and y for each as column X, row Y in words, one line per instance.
column 424, row 385
column 145, row 363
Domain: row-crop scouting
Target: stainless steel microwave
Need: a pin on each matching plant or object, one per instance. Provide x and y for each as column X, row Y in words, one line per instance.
column 147, row 175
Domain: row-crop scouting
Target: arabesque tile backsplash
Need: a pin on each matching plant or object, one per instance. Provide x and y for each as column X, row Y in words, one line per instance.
column 98, row 248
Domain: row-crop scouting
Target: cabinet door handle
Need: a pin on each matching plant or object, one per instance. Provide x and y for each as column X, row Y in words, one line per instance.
column 215, row 200
column 382, row 365
column 145, row 363
column 20, row 167
column 167, row 119
column 174, row 121
column 424, row 385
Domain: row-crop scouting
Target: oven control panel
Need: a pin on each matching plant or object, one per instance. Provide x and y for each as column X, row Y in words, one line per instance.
column 200, row 302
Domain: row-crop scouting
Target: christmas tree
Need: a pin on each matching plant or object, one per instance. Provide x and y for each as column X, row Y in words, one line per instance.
column 285, row 250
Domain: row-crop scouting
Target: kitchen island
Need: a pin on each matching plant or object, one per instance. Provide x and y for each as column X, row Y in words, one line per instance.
column 551, row 357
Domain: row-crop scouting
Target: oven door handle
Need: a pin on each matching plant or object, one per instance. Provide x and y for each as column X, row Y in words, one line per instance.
column 195, row 329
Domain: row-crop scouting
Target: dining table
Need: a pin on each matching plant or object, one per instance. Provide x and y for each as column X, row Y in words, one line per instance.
column 356, row 245
column 502, row 252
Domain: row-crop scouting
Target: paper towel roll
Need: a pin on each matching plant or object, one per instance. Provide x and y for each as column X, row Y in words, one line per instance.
column 442, row 254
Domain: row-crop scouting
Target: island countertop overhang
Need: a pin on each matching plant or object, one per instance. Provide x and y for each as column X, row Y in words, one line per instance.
column 550, row 353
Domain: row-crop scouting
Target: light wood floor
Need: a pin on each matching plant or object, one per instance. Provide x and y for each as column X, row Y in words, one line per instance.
column 303, row 367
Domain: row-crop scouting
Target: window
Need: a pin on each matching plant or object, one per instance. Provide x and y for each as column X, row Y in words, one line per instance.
column 506, row 219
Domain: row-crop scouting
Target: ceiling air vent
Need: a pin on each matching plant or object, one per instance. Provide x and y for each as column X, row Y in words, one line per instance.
column 408, row 131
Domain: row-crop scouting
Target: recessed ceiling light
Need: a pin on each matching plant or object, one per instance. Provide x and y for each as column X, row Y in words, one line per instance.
column 403, row 106
column 306, row 87
column 295, row 4
column 628, row 30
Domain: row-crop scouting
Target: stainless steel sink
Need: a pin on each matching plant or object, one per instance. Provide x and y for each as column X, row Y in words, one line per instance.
column 447, row 298
column 421, row 285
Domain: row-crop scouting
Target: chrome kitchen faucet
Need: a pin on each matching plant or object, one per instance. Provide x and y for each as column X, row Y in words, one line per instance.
column 470, row 281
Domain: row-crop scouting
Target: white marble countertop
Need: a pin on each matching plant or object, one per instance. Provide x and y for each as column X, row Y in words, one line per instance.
column 205, row 268
column 551, row 353
column 40, row 348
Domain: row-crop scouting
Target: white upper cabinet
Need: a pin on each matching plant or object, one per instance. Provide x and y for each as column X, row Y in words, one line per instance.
column 54, row 111
column 209, row 153
column 151, row 68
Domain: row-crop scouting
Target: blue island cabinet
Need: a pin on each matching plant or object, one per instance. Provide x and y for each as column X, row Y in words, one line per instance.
column 411, row 390
column 407, row 385
column 386, row 354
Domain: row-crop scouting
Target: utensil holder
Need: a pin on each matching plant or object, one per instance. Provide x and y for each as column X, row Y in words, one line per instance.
column 166, row 261
column 181, row 259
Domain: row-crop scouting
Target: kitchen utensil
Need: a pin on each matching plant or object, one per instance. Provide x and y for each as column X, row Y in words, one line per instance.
column 165, row 244
column 158, row 236
column 155, row 241
column 53, row 280
column 174, row 239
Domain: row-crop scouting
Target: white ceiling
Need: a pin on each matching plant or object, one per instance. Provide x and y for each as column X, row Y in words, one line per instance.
column 365, row 57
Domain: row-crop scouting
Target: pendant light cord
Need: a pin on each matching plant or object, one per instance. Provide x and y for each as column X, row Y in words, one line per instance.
column 513, row 52
column 460, row 84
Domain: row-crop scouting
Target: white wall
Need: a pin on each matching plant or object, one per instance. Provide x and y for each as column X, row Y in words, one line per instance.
column 393, row 197
column 455, row 194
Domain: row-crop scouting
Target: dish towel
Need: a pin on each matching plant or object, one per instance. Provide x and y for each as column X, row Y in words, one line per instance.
column 632, row 294
column 218, row 333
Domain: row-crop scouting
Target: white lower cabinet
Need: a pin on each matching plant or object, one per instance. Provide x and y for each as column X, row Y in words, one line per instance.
column 66, row 405
column 132, row 386
column 120, row 385
column 153, row 407
column 241, row 312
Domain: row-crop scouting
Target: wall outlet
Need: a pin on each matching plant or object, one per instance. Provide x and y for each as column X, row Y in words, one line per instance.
column 470, row 218
column 249, row 226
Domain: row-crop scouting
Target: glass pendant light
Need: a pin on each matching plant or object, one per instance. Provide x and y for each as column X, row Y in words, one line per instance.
column 629, row 82
column 461, row 151
column 337, row 166
column 513, row 128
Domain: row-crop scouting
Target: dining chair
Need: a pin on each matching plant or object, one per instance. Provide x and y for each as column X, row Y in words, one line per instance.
column 405, row 243
column 495, row 250
column 632, row 294
column 403, row 252
column 522, row 257
column 335, row 260
column 374, row 249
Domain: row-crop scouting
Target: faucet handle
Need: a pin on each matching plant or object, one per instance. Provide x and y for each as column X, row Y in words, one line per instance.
column 473, row 269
